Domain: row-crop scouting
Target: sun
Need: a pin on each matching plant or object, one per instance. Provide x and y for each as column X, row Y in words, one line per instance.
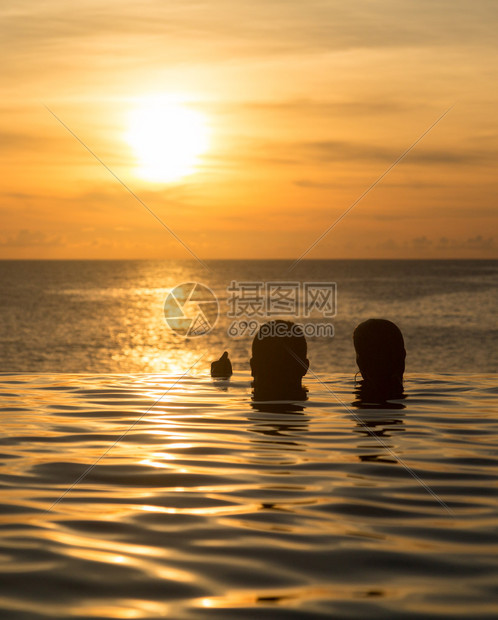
column 168, row 139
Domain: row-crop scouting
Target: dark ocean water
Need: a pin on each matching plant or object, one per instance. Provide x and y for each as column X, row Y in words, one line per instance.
column 107, row 316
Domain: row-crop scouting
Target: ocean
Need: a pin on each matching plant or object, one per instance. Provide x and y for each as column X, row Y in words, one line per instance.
column 108, row 316
column 133, row 485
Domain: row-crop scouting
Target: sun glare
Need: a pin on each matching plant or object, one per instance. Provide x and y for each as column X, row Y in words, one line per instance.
column 168, row 139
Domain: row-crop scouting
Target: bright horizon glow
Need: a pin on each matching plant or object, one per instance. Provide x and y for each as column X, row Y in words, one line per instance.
column 167, row 138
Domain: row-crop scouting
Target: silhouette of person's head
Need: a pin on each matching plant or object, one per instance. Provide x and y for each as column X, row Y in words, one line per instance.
column 279, row 361
column 380, row 355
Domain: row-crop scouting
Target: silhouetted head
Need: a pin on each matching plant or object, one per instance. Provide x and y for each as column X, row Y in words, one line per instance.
column 380, row 354
column 279, row 361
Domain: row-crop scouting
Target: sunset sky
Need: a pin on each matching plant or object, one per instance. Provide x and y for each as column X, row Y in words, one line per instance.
column 286, row 111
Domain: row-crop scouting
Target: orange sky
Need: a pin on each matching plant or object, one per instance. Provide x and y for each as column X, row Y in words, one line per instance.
column 307, row 104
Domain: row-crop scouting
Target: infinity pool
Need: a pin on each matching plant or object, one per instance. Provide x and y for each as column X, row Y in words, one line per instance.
column 148, row 496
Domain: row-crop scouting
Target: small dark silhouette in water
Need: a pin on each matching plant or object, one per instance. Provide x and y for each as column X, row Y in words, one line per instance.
column 222, row 368
column 380, row 355
column 278, row 362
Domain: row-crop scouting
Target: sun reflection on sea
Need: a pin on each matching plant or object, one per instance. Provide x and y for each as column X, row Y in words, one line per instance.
column 204, row 500
column 175, row 359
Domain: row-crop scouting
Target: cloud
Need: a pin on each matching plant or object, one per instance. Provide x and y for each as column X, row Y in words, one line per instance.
column 326, row 185
column 425, row 247
column 20, row 140
column 389, row 244
column 30, row 238
column 421, row 243
column 254, row 151
column 308, row 184
column 471, row 243
column 194, row 30
column 36, row 146
column 339, row 108
column 429, row 213
column 340, row 151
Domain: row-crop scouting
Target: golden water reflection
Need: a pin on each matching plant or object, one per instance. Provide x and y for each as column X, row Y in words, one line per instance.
column 207, row 500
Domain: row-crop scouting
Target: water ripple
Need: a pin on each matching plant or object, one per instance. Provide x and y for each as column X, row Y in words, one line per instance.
column 212, row 507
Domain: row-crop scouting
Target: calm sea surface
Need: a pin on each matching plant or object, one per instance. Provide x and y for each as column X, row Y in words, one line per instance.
column 211, row 506
column 107, row 316
column 132, row 485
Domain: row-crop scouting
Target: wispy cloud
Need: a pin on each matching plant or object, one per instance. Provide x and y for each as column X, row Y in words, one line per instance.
column 331, row 24
column 340, row 151
column 426, row 246
column 29, row 238
column 129, row 35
